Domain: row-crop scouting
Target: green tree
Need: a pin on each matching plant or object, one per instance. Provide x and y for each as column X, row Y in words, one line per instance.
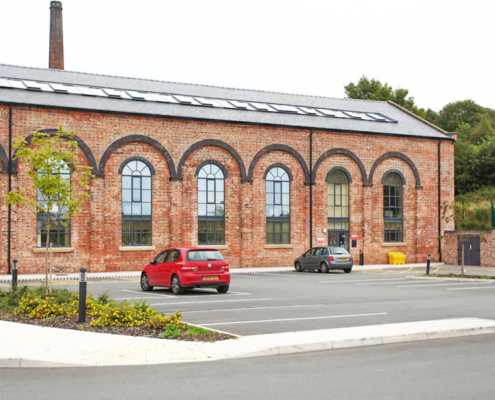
column 373, row 89
column 465, row 111
column 57, row 198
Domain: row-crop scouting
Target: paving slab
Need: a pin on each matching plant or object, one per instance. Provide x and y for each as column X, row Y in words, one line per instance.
column 31, row 346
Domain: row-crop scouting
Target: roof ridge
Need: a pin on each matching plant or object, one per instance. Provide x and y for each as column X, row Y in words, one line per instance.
column 192, row 84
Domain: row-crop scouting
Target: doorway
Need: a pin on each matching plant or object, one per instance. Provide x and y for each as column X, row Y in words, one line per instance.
column 472, row 250
column 339, row 239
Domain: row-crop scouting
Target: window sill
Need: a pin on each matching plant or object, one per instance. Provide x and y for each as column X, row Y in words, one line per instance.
column 394, row 244
column 136, row 248
column 215, row 246
column 55, row 250
column 279, row 246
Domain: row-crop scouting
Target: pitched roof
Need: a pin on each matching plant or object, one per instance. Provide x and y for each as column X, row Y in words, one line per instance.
column 275, row 109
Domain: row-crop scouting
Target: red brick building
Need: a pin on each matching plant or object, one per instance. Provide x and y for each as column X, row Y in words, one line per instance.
column 262, row 176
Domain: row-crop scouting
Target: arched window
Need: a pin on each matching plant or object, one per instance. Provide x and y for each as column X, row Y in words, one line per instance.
column 277, row 206
column 211, row 205
column 136, row 204
column 338, row 209
column 59, row 225
column 393, row 208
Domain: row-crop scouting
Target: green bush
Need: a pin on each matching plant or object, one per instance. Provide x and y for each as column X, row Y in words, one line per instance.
column 161, row 321
column 10, row 299
column 171, row 332
column 124, row 314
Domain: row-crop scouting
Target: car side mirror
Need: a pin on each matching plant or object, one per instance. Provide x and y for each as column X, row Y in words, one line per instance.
column 152, row 262
column 304, row 255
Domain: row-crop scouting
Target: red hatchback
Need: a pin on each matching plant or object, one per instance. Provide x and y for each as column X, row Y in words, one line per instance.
column 187, row 268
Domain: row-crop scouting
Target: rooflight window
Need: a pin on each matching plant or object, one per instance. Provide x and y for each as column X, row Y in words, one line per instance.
column 205, row 102
column 5, row 83
column 59, row 88
column 136, row 95
column 115, row 93
column 184, row 99
column 377, row 117
column 98, row 92
column 332, row 113
column 85, row 91
column 163, row 98
column 17, row 84
column 224, row 103
column 240, row 104
column 309, row 111
column 34, row 85
column 359, row 115
column 284, row 109
column 262, row 107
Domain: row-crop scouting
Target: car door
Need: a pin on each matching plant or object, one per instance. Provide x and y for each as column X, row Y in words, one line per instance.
column 318, row 257
column 168, row 266
column 307, row 259
column 154, row 269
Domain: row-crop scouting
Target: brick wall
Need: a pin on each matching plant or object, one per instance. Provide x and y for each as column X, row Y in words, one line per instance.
column 175, row 147
column 487, row 247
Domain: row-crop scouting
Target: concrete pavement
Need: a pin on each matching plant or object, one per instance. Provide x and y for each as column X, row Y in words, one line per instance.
column 24, row 346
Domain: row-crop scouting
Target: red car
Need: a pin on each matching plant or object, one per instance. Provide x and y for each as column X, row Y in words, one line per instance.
column 187, row 268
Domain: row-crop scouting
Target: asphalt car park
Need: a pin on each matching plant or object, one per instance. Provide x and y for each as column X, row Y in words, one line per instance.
column 283, row 302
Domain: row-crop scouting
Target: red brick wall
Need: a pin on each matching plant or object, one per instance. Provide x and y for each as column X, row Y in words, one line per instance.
column 96, row 231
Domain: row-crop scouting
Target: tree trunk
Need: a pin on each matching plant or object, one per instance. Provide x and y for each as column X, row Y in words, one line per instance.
column 46, row 258
column 462, row 254
column 51, row 267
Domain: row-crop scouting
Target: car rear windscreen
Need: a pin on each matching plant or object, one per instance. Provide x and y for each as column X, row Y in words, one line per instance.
column 338, row 250
column 204, row 255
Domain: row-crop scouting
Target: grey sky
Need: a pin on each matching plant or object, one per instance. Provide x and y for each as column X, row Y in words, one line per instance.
column 441, row 51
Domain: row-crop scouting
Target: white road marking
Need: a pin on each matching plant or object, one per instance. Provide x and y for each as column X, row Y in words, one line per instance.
column 252, row 308
column 293, row 319
column 365, row 280
column 442, row 284
column 386, row 283
column 280, row 274
column 147, row 294
column 204, row 302
column 478, row 287
column 242, row 276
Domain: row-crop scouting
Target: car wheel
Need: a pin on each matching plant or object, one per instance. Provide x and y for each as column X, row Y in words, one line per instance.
column 324, row 267
column 298, row 267
column 145, row 283
column 176, row 286
column 348, row 270
column 223, row 289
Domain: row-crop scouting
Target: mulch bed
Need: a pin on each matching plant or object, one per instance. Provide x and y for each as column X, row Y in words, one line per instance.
column 71, row 323
column 460, row 276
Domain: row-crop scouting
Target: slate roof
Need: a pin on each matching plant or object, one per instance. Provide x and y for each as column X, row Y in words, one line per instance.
column 400, row 121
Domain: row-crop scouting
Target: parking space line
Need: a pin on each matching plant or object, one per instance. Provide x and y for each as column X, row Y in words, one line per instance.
column 253, row 308
column 147, row 294
column 478, row 287
column 387, row 283
column 204, row 302
column 293, row 319
column 442, row 284
column 279, row 274
column 365, row 280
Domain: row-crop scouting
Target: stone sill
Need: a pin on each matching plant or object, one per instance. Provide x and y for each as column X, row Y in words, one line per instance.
column 279, row 246
column 218, row 246
column 55, row 250
column 136, row 248
column 394, row 244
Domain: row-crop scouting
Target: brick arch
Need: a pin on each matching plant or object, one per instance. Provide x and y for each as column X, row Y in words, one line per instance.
column 279, row 165
column 214, row 143
column 344, row 152
column 4, row 159
column 136, row 158
column 279, row 147
column 82, row 145
column 136, row 138
column 396, row 154
column 344, row 170
column 214, row 162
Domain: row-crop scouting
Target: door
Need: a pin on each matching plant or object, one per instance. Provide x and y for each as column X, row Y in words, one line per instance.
column 338, row 239
column 472, row 251
column 167, row 268
column 307, row 259
column 154, row 270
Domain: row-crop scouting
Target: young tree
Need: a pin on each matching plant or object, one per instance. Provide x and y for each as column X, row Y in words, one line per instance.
column 58, row 194
column 455, row 212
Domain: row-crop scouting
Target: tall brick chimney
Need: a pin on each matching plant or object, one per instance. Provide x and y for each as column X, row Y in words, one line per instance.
column 56, row 36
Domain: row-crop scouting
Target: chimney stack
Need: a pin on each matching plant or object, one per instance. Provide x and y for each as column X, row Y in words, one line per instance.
column 56, row 36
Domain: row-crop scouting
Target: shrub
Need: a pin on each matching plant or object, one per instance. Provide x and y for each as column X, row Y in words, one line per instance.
column 124, row 314
column 161, row 321
column 171, row 332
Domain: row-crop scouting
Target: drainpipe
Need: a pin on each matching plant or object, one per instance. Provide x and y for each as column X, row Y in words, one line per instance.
column 10, row 189
column 311, row 189
column 439, row 202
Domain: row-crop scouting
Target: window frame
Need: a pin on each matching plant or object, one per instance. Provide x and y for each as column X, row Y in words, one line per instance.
column 343, row 222
column 393, row 235
column 130, row 220
column 211, row 222
column 277, row 222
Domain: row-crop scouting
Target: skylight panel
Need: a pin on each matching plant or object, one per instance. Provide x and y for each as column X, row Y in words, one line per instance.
column 98, row 92
column 224, row 103
column 262, row 107
column 85, row 91
column 241, row 105
column 5, row 83
column 164, row 98
column 333, row 113
column 205, row 102
column 284, row 109
column 309, row 111
column 185, row 99
column 59, row 88
column 17, row 84
column 377, row 117
column 31, row 85
column 140, row 96
column 120, row 94
column 358, row 115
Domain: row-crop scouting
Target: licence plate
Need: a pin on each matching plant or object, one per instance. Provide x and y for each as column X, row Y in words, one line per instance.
column 342, row 259
column 210, row 278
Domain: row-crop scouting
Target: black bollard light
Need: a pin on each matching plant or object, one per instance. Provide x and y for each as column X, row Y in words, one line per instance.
column 82, row 295
column 361, row 258
column 14, row 272
column 428, row 266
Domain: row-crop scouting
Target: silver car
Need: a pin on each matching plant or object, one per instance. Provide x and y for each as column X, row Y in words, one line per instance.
column 325, row 259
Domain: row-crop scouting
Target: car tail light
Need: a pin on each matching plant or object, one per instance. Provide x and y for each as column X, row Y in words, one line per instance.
column 189, row 266
column 225, row 267
column 330, row 258
column 352, row 259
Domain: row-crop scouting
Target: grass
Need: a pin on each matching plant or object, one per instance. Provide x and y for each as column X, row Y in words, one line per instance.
column 196, row 330
column 478, row 210
column 452, row 275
